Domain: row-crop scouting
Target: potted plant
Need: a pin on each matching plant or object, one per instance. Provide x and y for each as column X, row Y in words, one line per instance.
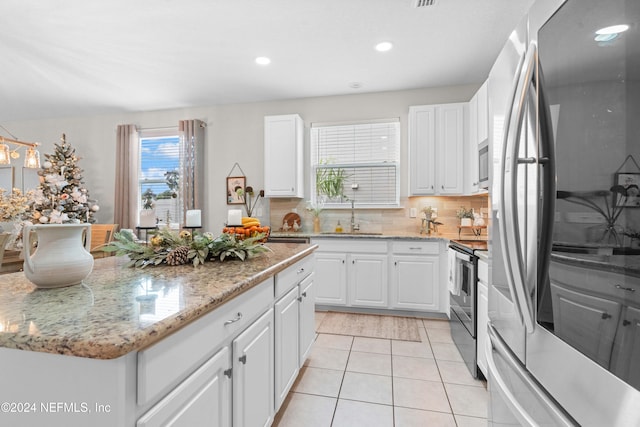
column 330, row 182
column 148, row 212
column 465, row 215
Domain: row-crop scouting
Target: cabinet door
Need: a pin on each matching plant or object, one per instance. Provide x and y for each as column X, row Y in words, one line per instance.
column 414, row 282
column 286, row 343
column 449, row 148
column 586, row 322
column 471, row 180
column 307, row 317
column 368, row 280
column 626, row 354
column 483, row 319
column 422, row 150
column 331, row 278
column 204, row 395
column 283, row 144
column 253, row 367
column 483, row 113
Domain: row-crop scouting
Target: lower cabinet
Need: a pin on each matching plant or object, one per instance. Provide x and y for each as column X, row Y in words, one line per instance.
column 294, row 335
column 415, row 282
column 627, row 348
column 367, row 280
column 253, row 381
column 205, row 395
column 331, row 273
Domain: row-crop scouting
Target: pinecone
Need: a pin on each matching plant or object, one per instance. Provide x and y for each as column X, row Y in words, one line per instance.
column 178, row 256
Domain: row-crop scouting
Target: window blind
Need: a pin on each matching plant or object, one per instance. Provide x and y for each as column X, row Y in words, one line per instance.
column 368, row 154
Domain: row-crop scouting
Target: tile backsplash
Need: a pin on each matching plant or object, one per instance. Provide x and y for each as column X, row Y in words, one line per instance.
column 386, row 221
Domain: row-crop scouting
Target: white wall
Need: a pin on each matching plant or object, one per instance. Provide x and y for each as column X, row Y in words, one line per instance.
column 234, row 134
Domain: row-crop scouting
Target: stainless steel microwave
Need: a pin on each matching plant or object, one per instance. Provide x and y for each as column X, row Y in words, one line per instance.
column 483, row 164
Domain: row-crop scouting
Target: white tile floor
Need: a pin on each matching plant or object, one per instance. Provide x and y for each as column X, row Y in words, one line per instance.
column 354, row 381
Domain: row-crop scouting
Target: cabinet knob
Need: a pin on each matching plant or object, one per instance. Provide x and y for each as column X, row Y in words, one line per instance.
column 442, row 186
column 234, row 320
column 606, row 316
column 625, row 322
column 300, row 271
column 228, row 373
column 304, row 294
column 395, row 262
column 243, row 359
column 299, row 299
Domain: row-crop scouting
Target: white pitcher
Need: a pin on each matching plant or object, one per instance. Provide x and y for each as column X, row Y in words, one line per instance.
column 61, row 258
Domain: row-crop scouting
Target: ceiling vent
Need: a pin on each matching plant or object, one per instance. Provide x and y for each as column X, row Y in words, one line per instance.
column 424, row 3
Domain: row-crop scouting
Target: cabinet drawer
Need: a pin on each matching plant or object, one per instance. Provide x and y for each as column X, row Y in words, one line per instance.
column 415, row 248
column 294, row 274
column 162, row 366
column 351, row 245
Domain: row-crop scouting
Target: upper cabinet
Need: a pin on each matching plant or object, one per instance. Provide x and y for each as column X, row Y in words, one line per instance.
column 478, row 133
column 436, row 144
column 283, row 156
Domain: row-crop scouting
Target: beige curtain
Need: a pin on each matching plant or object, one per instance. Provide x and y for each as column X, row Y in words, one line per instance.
column 126, row 191
column 192, row 143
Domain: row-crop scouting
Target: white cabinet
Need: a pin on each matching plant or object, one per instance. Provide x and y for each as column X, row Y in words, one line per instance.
column 351, row 272
column 253, row 369
column 204, row 395
column 307, row 329
column 331, row 278
column 483, row 316
column 477, row 134
column 287, row 344
column 415, row 276
column 401, row 275
column 294, row 326
column 436, row 143
column 367, row 280
column 414, row 282
column 283, row 156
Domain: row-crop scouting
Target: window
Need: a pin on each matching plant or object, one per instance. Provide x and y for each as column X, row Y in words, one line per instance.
column 356, row 162
column 159, row 174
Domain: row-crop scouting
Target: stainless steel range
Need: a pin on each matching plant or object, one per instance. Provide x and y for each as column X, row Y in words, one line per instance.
column 463, row 287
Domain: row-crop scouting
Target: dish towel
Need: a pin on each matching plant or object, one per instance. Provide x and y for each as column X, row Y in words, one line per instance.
column 454, row 284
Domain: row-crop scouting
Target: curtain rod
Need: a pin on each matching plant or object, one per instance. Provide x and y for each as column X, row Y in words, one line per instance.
column 15, row 141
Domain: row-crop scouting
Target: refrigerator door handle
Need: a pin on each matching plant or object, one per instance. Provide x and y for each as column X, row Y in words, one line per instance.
column 509, row 227
column 495, row 345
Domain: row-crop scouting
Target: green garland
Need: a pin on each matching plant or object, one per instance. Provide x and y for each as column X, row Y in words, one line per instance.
column 201, row 247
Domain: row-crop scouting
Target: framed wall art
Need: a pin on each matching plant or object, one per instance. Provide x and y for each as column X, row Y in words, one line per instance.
column 631, row 183
column 235, row 183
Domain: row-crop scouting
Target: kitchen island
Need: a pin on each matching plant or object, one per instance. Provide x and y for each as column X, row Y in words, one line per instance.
column 142, row 346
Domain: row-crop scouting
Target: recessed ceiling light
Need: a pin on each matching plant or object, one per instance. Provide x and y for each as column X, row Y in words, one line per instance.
column 263, row 60
column 384, row 46
column 614, row 29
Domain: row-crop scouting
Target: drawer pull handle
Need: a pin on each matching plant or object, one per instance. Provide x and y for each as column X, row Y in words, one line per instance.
column 625, row 289
column 238, row 317
column 414, row 248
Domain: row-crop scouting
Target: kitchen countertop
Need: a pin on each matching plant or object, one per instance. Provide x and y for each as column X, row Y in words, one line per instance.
column 118, row 309
column 365, row 235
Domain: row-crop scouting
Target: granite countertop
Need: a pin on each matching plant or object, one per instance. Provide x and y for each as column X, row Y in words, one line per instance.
column 118, row 309
column 366, row 235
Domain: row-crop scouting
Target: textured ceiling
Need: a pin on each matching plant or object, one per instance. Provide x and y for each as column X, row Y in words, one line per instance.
column 80, row 57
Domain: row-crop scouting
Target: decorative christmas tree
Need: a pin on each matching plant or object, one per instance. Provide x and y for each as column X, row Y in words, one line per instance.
column 61, row 196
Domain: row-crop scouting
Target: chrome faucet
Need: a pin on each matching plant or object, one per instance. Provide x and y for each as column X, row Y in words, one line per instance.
column 354, row 226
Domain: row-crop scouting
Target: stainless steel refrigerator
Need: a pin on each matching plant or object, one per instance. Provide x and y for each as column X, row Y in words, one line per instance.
column 564, row 297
